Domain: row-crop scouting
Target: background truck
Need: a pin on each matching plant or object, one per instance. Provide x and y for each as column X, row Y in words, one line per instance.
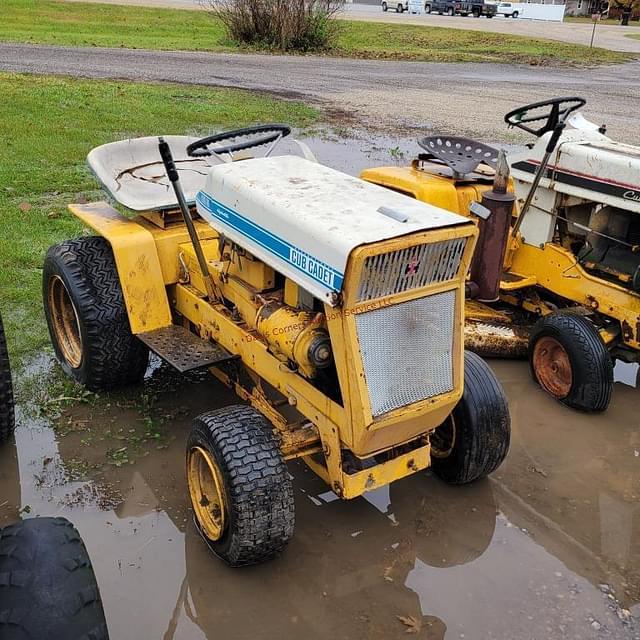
column 460, row 7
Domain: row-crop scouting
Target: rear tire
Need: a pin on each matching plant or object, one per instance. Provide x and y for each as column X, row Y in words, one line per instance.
column 474, row 440
column 7, row 417
column 47, row 586
column 450, row 11
column 250, row 517
column 476, row 13
column 385, row 7
column 569, row 360
column 399, row 8
column 427, row 8
column 515, row 14
column 87, row 317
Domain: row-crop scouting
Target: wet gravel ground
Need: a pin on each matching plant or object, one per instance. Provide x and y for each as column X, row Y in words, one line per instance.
column 466, row 99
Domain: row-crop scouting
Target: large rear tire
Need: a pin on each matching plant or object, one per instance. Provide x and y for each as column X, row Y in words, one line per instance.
column 240, row 489
column 87, row 317
column 474, row 440
column 569, row 360
column 47, row 585
column 7, row 417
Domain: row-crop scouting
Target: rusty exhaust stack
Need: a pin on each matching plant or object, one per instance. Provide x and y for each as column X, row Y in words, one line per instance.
column 488, row 258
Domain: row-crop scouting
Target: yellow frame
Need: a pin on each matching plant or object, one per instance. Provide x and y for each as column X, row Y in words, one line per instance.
column 138, row 241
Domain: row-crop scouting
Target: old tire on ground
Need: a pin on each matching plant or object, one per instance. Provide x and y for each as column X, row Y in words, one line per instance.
column 87, row 317
column 7, row 419
column 569, row 360
column 47, row 585
column 240, row 489
column 474, row 440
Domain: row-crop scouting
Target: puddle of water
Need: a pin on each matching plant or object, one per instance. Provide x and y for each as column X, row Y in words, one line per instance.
column 519, row 556
column 548, row 548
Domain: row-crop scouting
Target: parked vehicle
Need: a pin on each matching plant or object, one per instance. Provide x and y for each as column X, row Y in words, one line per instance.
column 507, row 9
column 460, row 7
column 441, row 6
column 398, row 6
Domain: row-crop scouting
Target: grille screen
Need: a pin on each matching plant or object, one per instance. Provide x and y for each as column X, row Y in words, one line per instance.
column 410, row 268
column 407, row 351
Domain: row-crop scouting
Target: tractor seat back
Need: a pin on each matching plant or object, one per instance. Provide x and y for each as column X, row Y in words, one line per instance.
column 461, row 155
column 132, row 172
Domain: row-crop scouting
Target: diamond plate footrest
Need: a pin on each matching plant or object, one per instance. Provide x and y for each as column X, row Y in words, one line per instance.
column 184, row 350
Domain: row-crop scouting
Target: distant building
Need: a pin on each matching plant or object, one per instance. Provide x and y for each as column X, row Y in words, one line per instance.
column 586, row 7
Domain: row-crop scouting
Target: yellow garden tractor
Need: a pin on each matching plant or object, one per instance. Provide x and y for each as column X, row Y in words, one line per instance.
column 333, row 307
column 566, row 252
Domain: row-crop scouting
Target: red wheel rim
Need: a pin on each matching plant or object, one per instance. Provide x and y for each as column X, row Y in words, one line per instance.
column 552, row 367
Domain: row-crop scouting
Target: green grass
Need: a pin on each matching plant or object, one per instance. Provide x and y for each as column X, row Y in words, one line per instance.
column 79, row 24
column 48, row 126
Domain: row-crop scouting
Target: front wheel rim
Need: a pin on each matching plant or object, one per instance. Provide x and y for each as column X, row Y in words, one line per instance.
column 65, row 322
column 206, row 490
column 552, row 367
column 443, row 439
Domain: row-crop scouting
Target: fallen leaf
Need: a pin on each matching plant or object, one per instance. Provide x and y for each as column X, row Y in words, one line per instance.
column 24, row 206
column 412, row 624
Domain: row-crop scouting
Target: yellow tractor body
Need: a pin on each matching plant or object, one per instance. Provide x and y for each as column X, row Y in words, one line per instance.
column 333, row 307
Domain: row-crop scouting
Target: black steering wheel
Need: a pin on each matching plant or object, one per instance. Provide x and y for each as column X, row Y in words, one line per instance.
column 552, row 112
column 240, row 139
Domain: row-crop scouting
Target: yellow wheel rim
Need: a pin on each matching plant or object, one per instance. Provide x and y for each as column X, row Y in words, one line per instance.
column 443, row 439
column 64, row 320
column 207, row 492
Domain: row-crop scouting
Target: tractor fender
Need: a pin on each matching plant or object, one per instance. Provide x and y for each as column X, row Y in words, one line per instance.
column 137, row 262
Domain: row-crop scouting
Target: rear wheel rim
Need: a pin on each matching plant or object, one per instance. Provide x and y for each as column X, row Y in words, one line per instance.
column 552, row 367
column 206, row 490
column 65, row 322
column 443, row 439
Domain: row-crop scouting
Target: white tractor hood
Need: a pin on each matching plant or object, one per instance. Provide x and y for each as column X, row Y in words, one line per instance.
column 587, row 165
column 304, row 219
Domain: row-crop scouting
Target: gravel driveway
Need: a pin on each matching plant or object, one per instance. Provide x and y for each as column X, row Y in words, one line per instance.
column 462, row 98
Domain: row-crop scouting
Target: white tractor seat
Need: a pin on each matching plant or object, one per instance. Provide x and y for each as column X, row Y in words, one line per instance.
column 132, row 172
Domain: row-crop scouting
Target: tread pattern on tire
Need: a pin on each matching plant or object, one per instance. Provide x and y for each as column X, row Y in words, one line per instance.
column 7, row 416
column 591, row 364
column 259, row 488
column 47, row 586
column 112, row 355
column 483, row 426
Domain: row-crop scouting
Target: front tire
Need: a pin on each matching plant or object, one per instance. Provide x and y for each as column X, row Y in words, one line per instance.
column 427, row 8
column 7, row 417
column 385, row 7
column 399, row 8
column 515, row 14
column 87, row 317
column 240, row 489
column 450, row 12
column 48, row 588
column 569, row 360
column 474, row 440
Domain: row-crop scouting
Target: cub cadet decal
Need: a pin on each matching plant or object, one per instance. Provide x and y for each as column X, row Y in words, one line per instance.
column 297, row 258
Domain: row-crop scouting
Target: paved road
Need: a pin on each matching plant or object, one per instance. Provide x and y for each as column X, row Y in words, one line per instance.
column 607, row 36
column 463, row 98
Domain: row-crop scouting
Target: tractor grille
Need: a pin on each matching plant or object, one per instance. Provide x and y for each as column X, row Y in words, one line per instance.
column 407, row 351
column 410, row 268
